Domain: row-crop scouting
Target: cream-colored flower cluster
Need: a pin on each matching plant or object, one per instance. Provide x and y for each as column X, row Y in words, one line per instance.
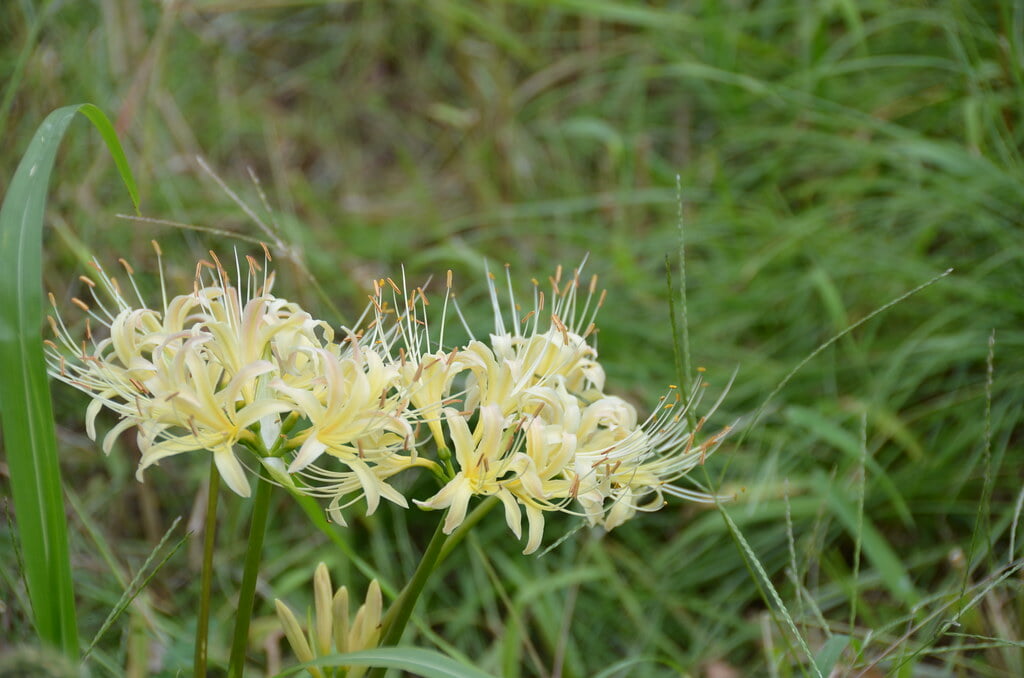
column 223, row 368
column 521, row 415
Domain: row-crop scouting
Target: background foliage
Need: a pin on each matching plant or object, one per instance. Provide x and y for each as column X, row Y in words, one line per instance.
column 831, row 154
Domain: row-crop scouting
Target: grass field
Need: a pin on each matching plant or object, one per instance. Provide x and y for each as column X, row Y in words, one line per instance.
column 822, row 158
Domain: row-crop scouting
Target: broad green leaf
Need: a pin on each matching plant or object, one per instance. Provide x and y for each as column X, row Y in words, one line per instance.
column 27, row 414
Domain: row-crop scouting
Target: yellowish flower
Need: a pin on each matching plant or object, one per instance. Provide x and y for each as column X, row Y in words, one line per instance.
column 193, row 375
column 637, row 469
column 487, row 466
column 351, row 399
column 547, row 437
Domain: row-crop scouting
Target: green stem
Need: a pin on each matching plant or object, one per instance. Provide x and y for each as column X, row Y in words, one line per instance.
column 394, row 622
column 206, row 578
column 247, row 592
column 474, row 517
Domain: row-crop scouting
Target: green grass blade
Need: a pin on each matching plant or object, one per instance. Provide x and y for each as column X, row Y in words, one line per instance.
column 768, row 591
column 27, row 414
column 420, row 662
column 875, row 547
column 830, row 652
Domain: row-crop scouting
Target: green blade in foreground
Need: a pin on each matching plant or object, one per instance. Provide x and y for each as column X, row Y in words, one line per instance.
column 418, row 661
column 27, row 415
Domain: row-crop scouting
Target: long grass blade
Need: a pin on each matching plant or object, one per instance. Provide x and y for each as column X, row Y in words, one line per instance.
column 27, row 414
column 420, row 662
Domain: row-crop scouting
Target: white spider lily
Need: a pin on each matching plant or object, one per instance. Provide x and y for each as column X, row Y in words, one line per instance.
column 350, row 400
column 192, row 376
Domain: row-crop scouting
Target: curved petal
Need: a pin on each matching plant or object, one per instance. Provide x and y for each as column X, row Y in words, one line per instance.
column 443, row 498
column 491, row 421
column 231, row 471
column 91, row 412
column 371, row 484
column 462, row 439
column 457, row 511
column 622, row 510
column 308, row 453
column 112, row 434
column 513, row 516
column 535, row 518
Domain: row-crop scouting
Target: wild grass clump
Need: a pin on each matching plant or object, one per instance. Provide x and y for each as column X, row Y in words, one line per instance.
column 831, row 158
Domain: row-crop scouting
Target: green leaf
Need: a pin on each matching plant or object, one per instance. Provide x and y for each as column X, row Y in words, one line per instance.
column 420, row 662
column 830, row 652
column 823, row 428
column 27, row 414
column 890, row 566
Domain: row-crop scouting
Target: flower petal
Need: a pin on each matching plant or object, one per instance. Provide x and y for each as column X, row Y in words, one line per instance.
column 535, row 517
column 231, row 471
column 310, row 450
column 513, row 516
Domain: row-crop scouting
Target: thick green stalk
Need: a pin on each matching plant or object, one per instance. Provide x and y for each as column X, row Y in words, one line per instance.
column 247, row 592
column 395, row 620
column 206, row 578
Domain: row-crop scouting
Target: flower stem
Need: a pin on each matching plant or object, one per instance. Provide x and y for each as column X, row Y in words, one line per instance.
column 206, row 578
column 395, row 620
column 247, row 591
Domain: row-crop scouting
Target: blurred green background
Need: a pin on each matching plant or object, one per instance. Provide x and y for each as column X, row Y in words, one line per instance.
column 830, row 155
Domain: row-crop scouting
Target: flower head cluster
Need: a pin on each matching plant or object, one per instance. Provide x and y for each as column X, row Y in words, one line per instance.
column 223, row 368
column 523, row 416
column 520, row 414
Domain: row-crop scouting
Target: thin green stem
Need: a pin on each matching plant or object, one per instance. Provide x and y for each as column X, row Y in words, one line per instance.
column 681, row 335
column 206, row 578
column 394, row 622
column 247, row 592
